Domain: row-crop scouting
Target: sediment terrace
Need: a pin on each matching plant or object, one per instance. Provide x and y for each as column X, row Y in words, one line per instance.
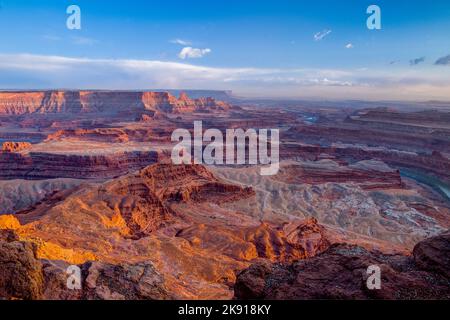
column 40, row 165
column 434, row 162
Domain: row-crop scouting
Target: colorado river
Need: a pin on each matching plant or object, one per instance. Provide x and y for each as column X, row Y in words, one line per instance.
column 438, row 185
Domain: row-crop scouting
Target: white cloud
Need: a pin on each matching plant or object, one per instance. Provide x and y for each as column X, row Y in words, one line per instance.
column 25, row 71
column 83, row 41
column 349, row 46
column 51, row 37
column 189, row 52
column 322, row 34
column 181, row 42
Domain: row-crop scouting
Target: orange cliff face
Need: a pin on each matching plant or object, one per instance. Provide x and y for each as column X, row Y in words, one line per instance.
column 45, row 102
column 19, row 103
column 15, row 146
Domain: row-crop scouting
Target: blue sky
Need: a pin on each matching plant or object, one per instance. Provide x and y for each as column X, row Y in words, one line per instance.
column 255, row 48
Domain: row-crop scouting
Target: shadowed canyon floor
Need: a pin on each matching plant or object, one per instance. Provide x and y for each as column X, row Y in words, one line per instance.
column 86, row 179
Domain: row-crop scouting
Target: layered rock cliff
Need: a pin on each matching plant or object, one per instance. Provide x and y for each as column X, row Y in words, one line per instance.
column 41, row 165
column 367, row 174
column 75, row 102
column 434, row 162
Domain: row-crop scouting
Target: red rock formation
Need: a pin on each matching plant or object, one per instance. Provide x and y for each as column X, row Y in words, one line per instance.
column 20, row 271
column 386, row 116
column 39, row 165
column 418, row 140
column 141, row 201
column 296, row 240
column 434, row 254
column 162, row 101
column 17, row 103
column 32, row 137
column 165, row 102
column 299, row 240
column 433, row 162
column 140, row 208
column 146, row 118
column 173, row 225
column 116, row 135
column 341, row 273
column 102, row 134
column 15, row 146
column 182, row 232
column 321, row 134
column 129, row 220
column 76, row 102
column 190, row 183
column 367, row 174
column 9, row 222
column 8, row 235
column 24, row 276
column 124, row 282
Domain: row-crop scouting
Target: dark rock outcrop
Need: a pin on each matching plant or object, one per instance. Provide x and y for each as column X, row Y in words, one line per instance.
column 24, row 276
column 341, row 273
column 124, row 282
column 434, row 254
column 20, row 271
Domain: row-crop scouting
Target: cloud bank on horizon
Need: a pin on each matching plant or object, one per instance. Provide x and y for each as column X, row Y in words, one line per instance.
column 258, row 49
column 85, row 73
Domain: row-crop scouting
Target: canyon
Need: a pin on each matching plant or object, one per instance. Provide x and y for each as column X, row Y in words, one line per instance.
column 86, row 179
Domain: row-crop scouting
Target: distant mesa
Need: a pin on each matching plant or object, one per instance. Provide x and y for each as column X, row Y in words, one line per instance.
column 16, row 103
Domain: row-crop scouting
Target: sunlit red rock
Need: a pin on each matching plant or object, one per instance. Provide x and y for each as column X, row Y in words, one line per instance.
column 76, row 102
column 20, row 271
column 15, row 146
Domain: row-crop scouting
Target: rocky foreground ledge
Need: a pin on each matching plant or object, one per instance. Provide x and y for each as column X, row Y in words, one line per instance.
column 341, row 273
column 24, row 276
column 337, row 273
